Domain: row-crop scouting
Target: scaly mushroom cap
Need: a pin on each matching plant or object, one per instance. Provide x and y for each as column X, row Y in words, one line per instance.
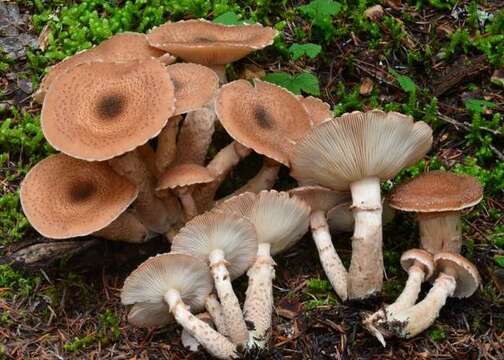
column 233, row 234
column 63, row 197
column 437, row 191
column 340, row 218
column 147, row 285
column 127, row 46
column 195, row 85
column 359, row 145
column 318, row 110
column 278, row 219
column 320, row 198
column 97, row 111
column 409, row 258
column 264, row 117
column 465, row 272
column 208, row 43
column 184, row 175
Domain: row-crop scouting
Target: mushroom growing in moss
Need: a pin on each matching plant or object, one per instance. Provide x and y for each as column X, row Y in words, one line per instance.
column 355, row 152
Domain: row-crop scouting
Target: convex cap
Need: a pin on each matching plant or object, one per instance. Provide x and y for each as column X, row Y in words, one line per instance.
column 205, row 42
column 423, row 257
column 465, row 273
column 437, row 191
column 97, row 111
column 184, row 175
column 63, row 197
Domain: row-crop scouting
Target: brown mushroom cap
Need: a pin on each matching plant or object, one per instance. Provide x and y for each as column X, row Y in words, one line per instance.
column 123, row 47
column 466, row 274
column 320, row 198
column 63, row 197
column 411, row 256
column 208, row 43
column 184, row 175
column 147, row 285
column 359, row 145
column 97, row 111
column 437, row 191
column 264, row 117
column 318, row 110
column 195, row 85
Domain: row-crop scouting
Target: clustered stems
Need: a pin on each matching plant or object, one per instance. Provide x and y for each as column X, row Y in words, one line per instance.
column 258, row 307
column 440, row 232
column 214, row 308
column 230, row 305
column 409, row 295
column 216, row 344
column 166, row 145
column 127, row 227
column 186, row 199
column 263, row 180
column 366, row 267
column 331, row 262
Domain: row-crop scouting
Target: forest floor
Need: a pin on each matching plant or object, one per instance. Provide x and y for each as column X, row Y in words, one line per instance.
column 439, row 61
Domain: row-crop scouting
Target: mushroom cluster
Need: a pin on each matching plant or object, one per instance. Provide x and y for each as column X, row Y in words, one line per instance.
column 134, row 127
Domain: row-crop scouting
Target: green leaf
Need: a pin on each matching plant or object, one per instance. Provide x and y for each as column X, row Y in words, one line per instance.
column 304, row 82
column 321, row 9
column 406, row 83
column 499, row 260
column 299, row 50
column 228, row 18
column 478, row 106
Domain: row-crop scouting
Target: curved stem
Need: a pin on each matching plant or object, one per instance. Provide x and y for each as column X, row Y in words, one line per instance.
column 263, row 180
column 365, row 276
column 188, row 341
column 258, row 308
column 220, row 70
column 440, row 232
column 214, row 308
column 231, row 307
column 187, row 201
column 166, row 144
column 331, row 262
column 216, row 344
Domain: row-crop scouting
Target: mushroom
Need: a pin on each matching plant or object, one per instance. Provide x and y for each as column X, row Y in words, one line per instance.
column 166, row 150
column 419, row 264
column 122, row 47
column 99, row 111
column 229, row 243
column 207, row 43
column 438, row 198
column 280, row 221
column 60, row 196
column 188, row 341
column 318, row 110
column 175, row 285
column 263, row 117
column 181, row 179
column 320, row 200
column 354, row 152
column 457, row 277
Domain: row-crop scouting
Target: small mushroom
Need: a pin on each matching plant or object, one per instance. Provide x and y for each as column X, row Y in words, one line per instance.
column 321, row 200
column 438, row 198
column 280, row 221
column 419, row 264
column 60, row 197
column 211, row 44
column 174, row 285
column 228, row 243
column 123, row 47
column 181, row 179
column 354, row 152
column 457, row 277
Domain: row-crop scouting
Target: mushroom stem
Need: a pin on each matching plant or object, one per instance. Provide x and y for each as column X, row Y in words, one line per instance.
column 185, row 195
column 258, row 307
column 166, row 145
column 190, row 342
column 150, row 209
column 331, row 262
column 216, row 344
column 214, row 308
column 219, row 167
column 440, row 232
column 411, row 321
column 127, row 227
column 263, row 180
column 231, row 307
column 220, row 70
column 366, row 267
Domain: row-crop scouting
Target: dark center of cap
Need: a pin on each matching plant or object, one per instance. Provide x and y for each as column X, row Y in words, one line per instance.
column 110, row 106
column 263, row 118
column 205, row 39
column 81, row 191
